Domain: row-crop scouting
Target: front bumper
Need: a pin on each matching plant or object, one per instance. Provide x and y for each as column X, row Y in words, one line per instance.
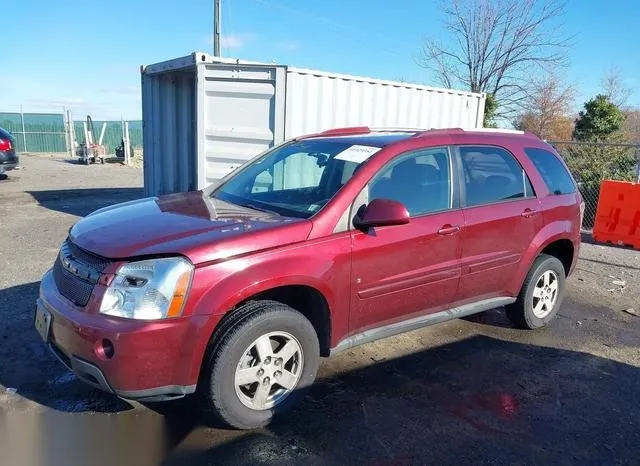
column 151, row 361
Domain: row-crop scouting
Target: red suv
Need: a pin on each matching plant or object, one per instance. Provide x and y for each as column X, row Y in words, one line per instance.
column 322, row 243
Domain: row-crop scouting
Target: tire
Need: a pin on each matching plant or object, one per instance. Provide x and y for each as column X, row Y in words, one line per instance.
column 234, row 351
column 522, row 313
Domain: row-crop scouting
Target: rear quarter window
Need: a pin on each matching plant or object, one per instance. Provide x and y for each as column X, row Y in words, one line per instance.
column 492, row 174
column 552, row 170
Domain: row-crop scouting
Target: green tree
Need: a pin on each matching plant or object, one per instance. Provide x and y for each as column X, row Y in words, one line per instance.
column 599, row 127
column 490, row 111
column 600, row 120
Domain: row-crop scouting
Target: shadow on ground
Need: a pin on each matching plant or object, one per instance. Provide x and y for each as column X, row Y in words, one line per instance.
column 478, row 400
column 82, row 202
column 29, row 367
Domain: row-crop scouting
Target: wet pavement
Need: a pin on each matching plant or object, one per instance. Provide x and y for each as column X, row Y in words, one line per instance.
column 468, row 391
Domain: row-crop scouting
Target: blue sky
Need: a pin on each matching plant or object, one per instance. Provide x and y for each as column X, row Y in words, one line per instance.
column 86, row 55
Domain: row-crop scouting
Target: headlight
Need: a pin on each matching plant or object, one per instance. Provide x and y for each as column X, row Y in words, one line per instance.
column 148, row 290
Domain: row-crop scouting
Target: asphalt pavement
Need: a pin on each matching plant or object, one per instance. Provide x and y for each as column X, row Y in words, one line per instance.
column 470, row 391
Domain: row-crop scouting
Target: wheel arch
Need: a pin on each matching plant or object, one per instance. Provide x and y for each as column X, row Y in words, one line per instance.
column 554, row 239
column 307, row 300
column 293, row 292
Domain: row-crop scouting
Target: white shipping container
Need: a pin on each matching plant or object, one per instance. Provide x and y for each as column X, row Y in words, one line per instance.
column 204, row 116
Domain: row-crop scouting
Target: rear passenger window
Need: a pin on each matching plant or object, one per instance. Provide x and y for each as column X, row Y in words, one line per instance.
column 553, row 172
column 492, row 175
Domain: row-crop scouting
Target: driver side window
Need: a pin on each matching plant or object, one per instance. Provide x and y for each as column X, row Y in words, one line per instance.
column 420, row 180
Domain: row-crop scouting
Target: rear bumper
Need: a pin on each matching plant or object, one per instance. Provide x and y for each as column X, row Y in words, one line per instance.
column 5, row 167
column 151, row 361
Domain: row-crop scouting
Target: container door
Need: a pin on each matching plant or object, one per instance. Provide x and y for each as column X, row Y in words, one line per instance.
column 240, row 114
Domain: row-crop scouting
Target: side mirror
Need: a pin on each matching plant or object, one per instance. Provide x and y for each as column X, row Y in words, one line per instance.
column 380, row 213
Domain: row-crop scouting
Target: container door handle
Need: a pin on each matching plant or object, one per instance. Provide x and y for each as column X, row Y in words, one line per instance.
column 449, row 229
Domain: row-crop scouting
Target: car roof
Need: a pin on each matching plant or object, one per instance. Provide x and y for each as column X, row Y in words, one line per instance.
column 381, row 138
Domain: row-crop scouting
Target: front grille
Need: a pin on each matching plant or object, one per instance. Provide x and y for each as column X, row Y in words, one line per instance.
column 76, row 282
column 96, row 262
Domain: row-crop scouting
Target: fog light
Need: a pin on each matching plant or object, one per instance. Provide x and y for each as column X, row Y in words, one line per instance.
column 104, row 349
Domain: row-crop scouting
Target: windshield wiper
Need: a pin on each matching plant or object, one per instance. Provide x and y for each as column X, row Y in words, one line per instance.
column 261, row 209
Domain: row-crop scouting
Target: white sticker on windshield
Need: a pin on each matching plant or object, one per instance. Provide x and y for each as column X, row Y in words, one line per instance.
column 357, row 154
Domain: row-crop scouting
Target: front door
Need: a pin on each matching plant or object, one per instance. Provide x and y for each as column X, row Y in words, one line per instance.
column 399, row 272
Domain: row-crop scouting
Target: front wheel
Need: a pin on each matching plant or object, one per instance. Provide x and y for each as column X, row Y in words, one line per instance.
column 259, row 365
column 541, row 295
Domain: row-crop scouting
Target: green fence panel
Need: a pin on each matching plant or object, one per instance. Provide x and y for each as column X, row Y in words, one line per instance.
column 43, row 132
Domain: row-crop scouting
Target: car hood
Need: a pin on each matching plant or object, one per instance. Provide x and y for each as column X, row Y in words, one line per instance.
column 191, row 224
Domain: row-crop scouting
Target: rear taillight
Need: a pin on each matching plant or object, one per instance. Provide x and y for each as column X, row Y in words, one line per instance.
column 582, row 207
column 5, row 144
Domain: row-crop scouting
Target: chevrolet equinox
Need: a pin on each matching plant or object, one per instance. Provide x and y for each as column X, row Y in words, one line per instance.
column 322, row 243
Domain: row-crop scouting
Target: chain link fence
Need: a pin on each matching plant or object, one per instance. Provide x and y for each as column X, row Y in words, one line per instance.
column 591, row 163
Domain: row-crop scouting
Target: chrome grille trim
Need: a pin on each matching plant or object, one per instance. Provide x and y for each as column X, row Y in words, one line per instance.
column 76, row 272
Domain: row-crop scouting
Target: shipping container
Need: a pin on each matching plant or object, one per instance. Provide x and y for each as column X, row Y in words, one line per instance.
column 204, row 116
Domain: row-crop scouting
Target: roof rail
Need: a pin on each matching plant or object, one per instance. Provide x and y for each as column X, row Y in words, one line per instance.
column 366, row 129
column 398, row 130
column 425, row 132
column 494, row 130
column 345, row 131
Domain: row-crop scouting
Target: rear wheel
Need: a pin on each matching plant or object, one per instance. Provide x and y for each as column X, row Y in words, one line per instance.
column 259, row 365
column 541, row 295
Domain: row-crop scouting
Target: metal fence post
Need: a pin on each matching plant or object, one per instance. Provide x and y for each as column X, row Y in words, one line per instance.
column 24, row 134
column 65, row 125
column 71, row 133
column 127, row 145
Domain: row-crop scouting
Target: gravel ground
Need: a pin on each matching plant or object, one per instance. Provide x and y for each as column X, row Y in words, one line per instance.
column 468, row 391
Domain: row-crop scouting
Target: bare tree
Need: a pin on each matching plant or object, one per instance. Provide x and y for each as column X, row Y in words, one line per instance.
column 497, row 46
column 631, row 128
column 614, row 87
column 547, row 108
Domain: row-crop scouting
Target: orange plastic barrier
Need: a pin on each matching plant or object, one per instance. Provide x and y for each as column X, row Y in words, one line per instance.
column 618, row 214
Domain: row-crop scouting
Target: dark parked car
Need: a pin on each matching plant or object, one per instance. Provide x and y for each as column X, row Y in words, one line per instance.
column 8, row 156
column 321, row 244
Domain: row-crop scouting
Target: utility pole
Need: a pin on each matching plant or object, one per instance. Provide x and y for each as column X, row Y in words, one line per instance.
column 216, row 28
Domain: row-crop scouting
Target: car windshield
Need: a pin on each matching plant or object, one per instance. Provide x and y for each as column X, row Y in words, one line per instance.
column 296, row 179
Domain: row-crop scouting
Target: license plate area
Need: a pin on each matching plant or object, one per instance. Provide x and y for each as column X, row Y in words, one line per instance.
column 42, row 322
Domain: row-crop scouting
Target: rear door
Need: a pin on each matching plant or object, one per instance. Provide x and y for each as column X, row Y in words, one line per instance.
column 501, row 217
column 413, row 269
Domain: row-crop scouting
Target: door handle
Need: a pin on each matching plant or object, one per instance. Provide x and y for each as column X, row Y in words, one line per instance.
column 449, row 229
column 528, row 213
